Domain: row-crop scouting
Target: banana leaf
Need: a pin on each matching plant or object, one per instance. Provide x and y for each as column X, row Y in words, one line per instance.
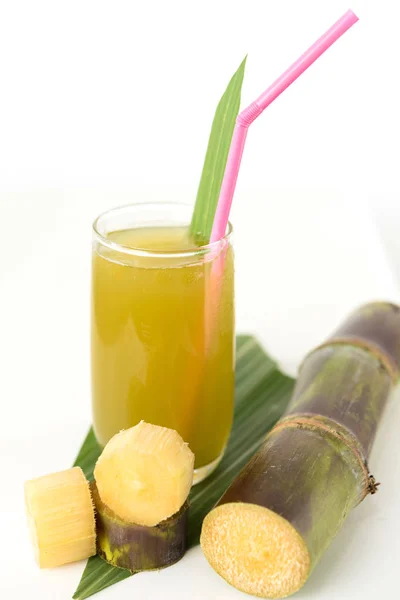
column 261, row 396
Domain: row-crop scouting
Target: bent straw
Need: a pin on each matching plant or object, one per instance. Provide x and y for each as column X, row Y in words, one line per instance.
column 249, row 114
column 243, row 121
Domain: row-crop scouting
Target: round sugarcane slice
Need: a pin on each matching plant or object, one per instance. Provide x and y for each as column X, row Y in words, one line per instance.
column 144, row 474
column 255, row 550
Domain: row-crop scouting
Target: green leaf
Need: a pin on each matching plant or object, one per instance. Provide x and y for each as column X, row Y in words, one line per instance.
column 215, row 159
column 262, row 394
column 97, row 576
column 88, row 455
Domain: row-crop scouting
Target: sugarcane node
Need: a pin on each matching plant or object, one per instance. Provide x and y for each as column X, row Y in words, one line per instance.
column 312, row 423
column 373, row 485
column 385, row 361
column 377, row 325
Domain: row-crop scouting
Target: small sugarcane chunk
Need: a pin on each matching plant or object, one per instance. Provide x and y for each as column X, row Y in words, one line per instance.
column 60, row 518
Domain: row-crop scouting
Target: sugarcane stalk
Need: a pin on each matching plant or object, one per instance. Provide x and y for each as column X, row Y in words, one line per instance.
column 277, row 518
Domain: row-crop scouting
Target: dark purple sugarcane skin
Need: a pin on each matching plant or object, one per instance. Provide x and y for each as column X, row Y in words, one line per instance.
column 137, row 547
column 149, row 547
column 304, row 479
column 378, row 323
column 353, row 393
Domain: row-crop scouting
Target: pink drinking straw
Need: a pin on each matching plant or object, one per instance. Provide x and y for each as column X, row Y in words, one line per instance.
column 249, row 114
column 243, row 121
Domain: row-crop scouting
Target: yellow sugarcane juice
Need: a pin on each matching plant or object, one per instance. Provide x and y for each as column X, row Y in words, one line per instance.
column 162, row 331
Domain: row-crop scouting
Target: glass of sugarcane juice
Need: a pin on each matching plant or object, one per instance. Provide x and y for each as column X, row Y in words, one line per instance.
column 162, row 329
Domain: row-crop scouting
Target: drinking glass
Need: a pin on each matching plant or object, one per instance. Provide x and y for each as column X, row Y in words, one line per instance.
column 162, row 328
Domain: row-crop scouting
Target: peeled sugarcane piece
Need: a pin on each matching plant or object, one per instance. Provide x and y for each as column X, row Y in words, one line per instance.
column 138, row 547
column 145, row 473
column 142, row 482
column 274, row 522
column 60, row 518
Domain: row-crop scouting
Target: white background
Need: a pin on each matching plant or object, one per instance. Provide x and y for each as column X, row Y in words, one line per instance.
column 103, row 103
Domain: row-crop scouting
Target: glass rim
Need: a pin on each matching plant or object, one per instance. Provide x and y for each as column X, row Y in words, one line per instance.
column 143, row 252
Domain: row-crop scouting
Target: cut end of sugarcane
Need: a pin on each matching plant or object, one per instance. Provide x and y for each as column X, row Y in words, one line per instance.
column 60, row 518
column 255, row 550
column 145, row 473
